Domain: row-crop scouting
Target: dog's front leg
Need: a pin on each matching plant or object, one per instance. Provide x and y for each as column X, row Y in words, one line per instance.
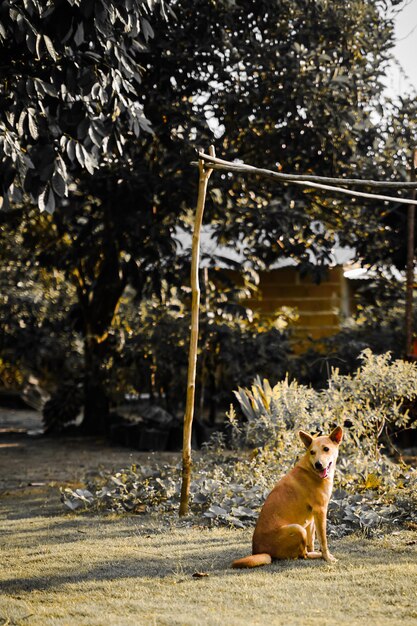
column 320, row 521
column 311, row 533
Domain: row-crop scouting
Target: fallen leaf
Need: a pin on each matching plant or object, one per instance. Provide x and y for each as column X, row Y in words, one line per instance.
column 200, row 575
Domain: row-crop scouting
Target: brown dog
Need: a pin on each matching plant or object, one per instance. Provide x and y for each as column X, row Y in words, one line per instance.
column 297, row 507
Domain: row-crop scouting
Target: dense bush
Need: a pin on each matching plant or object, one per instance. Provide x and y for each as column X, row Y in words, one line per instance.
column 63, row 407
column 146, row 350
column 230, row 486
column 233, row 347
column 368, row 402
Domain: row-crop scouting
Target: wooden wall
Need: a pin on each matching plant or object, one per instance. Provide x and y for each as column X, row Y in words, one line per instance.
column 320, row 307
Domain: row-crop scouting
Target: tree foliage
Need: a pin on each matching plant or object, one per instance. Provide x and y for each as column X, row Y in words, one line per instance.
column 68, row 90
column 296, row 85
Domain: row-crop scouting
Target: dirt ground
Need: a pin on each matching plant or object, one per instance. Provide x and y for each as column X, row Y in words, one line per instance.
column 35, row 466
column 65, row 569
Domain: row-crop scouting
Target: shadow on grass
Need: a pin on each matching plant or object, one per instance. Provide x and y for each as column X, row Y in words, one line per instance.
column 56, row 524
column 164, row 562
column 124, row 569
column 72, row 528
column 203, row 555
column 127, row 569
column 27, row 501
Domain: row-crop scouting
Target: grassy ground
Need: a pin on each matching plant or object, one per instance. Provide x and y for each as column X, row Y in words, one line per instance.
column 57, row 568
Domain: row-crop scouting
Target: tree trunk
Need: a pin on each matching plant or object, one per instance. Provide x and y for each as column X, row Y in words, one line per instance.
column 99, row 301
column 96, row 403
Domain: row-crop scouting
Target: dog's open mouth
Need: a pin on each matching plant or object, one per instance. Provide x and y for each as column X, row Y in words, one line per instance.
column 325, row 472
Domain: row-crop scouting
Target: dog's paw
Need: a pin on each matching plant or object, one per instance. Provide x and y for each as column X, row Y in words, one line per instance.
column 312, row 554
column 329, row 558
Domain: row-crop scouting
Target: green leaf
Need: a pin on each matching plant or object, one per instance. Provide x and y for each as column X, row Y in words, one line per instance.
column 79, row 35
column 88, row 163
column 50, row 47
column 20, row 124
column 59, row 185
column 79, row 152
column 71, row 149
column 95, row 137
column 46, row 200
column 33, row 128
column 38, row 46
column 147, row 29
column 50, row 89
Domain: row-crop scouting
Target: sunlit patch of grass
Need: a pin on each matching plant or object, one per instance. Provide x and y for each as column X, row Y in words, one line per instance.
column 90, row 570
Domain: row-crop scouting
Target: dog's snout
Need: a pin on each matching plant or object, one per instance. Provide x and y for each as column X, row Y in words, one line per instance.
column 318, row 465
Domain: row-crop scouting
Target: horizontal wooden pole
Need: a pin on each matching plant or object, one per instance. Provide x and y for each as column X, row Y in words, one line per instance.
column 221, row 164
column 247, row 169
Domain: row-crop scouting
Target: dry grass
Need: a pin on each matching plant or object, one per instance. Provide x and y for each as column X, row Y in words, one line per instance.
column 62, row 569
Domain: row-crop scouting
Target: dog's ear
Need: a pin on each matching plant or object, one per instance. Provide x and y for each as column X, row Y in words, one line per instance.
column 305, row 438
column 336, row 435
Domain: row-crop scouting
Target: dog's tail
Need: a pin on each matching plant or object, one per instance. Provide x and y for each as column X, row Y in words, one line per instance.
column 255, row 560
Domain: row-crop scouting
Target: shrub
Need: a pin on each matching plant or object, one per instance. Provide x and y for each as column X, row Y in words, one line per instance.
column 232, row 350
column 63, row 407
column 229, row 488
column 370, row 404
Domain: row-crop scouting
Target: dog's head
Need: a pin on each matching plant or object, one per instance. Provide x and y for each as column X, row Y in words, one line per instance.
column 322, row 451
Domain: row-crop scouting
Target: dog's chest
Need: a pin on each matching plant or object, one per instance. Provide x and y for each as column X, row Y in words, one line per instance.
column 309, row 513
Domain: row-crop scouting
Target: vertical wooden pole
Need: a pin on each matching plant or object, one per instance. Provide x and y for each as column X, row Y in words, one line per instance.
column 410, row 263
column 204, row 175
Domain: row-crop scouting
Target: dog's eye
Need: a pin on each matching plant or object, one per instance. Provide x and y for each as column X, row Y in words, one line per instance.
column 312, row 452
column 326, row 449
